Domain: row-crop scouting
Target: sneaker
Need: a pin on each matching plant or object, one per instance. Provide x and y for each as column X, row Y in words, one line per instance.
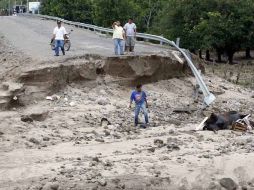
column 56, row 55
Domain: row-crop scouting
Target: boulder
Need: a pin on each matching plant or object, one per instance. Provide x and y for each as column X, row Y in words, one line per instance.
column 228, row 183
column 34, row 114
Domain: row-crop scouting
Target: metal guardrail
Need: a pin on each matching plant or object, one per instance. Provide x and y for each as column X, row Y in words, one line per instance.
column 95, row 28
column 208, row 97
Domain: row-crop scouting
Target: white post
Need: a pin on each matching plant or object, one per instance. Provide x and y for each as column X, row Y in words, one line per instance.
column 178, row 42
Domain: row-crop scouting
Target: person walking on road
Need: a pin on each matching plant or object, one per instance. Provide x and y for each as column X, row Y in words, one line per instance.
column 118, row 36
column 140, row 98
column 131, row 31
column 59, row 34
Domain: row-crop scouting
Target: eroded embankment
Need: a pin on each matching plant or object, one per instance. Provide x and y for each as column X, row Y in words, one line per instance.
column 49, row 78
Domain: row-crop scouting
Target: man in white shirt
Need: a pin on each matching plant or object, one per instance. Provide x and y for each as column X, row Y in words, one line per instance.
column 118, row 36
column 59, row 34
column 131, row 31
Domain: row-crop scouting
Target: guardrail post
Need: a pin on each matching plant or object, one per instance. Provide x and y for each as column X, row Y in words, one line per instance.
column 178, row 42
column 209, row 97
column 161, row 42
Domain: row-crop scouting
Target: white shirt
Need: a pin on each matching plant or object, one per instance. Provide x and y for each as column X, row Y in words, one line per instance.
column 118, row 32
column 130, row 29
column 59, row 32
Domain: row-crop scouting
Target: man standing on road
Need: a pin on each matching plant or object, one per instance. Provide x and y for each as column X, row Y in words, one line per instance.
column 131, row 31
column 140, row 99
column 59, row 34
column 118, row 36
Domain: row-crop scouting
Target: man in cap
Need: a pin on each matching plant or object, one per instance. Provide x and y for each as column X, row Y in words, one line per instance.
column 59, row 34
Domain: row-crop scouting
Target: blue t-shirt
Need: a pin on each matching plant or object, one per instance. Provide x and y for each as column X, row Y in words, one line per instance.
column 138, row 97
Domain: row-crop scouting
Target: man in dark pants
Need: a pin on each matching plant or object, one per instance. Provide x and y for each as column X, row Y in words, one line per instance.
column 59, row 34
column 140, row 99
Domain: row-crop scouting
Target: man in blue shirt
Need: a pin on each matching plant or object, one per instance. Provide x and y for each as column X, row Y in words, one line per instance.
column 140, row 99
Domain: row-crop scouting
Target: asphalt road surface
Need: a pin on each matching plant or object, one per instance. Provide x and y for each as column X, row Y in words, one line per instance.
column 32, row 36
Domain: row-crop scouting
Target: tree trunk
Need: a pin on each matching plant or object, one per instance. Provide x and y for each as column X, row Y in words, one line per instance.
column 207, row 55
column 200, row 54
column 230, row 57
column 219, row 57
column 247, row 53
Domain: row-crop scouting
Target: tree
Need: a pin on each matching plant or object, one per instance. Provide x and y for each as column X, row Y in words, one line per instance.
column 227, row 29
column 221, row 25
column 107, row 11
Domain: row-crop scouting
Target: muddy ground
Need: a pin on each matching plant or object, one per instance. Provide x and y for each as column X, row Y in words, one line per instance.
column 62, row 144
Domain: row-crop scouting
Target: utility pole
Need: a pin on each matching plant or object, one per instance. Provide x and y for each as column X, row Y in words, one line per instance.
column 27, row 6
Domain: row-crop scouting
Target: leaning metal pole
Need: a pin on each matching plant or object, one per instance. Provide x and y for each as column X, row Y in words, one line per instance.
column 209, row 97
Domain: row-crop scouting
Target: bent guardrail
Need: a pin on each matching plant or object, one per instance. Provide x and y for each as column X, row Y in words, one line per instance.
column 208, row 96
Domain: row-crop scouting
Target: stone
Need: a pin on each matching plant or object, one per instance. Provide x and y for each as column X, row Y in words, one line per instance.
column 214, row 186
column 34, row 140
column 102, row 182
column 26, row 119
column 152, row 149
column 72, row 104
column 34, row 114
column 96, row 159
column 228, row 183
column 99, row 140
column 102, row 101
column 51, row 186
column 45, row 138
column 158, row 142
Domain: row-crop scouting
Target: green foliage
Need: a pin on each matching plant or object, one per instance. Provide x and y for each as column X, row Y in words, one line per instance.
column 223, row 25
column 104, row 12
column 76, row 10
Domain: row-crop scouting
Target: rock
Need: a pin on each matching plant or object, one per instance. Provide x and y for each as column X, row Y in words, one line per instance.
column 102, row 101
column 187, row 110
column 152, row 149
column 1, row 133
column 34, row 140
column 175, row 122
column 35, row 113
column 107, row 133
column 102, row 182
column 51, row 186
column 214, row 186
column 96, row 159
column 172, row 147
column 26, row 119
column 159, row 143
column 72, row 104
column 228, row 184
column 99, row 140
column 45, row 139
